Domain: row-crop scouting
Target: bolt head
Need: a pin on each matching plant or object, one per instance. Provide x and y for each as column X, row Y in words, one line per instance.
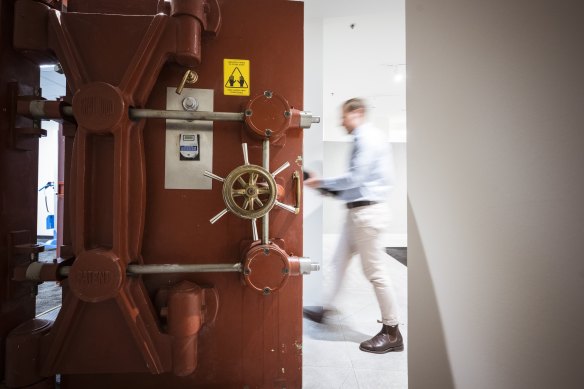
column 190, row 104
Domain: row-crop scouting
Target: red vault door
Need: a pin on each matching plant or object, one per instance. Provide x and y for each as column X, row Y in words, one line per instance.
column 183, row 203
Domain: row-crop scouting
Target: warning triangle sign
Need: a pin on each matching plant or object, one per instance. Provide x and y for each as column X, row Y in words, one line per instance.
column 236, row 80
column 236, row 77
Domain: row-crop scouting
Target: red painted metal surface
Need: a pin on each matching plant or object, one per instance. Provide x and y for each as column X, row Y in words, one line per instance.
column 180, row 330
column 22, row 345
column 18, row 180
column 185, row 319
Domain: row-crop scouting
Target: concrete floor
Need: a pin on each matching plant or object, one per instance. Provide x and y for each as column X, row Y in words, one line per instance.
column 49, row 293
column 332, row 358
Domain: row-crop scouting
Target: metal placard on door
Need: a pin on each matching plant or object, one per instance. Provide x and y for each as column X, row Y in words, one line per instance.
column 189, row 144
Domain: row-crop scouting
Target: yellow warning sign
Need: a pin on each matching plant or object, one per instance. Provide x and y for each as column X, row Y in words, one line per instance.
column 236, row 77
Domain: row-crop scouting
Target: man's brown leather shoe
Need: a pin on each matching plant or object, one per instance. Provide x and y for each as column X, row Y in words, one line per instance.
column 388, row 339
column 316, row 314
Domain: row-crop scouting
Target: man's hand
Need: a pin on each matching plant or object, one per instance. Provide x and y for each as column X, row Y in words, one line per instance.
column 313, row 182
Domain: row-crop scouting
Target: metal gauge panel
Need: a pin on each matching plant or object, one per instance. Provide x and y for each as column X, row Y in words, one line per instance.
column 189, row 144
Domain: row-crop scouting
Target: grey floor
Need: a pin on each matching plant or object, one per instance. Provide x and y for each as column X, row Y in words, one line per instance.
column 332, row 358
column 49, row 295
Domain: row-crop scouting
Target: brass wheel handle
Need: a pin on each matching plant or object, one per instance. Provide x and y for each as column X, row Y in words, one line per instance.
column 249, row 191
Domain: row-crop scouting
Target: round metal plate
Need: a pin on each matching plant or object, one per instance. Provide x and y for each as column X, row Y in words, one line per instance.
column 268, row 115
column 266, row 268
column 99, row 106
column 96, row 275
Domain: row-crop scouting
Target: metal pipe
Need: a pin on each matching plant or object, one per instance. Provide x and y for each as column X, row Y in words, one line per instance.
column 306, row 265
column 138, row 113
column 266, row 217
column 37, row 108
column 214, row 176
column 187, row 268
column 266, row 228
column 266, row 154
column 68, row 110
column 280, row 169
column 173, row 268
column 64, row 271
column 245, row 154
column 287, row 207
column 254, row 230
column 218, row 216
column 306, row 118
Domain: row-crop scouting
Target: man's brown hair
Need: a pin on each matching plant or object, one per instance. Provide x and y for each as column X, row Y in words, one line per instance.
column 354, row 104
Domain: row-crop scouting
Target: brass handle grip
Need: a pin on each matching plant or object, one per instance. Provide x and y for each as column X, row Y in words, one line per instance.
column 190, row 77
column 296, row 179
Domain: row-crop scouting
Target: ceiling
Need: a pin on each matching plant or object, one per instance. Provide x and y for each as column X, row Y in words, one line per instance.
column 335, row 8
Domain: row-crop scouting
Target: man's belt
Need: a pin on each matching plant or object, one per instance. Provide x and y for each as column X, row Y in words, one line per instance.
column 362, row 203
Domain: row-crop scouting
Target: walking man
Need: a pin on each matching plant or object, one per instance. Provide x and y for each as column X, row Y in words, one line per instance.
column 364, row 188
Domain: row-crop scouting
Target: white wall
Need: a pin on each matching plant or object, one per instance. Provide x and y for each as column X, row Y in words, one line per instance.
column 362, row 56
column 351, row 51
column 313, row 154
column 496, row 222
column 53, row 86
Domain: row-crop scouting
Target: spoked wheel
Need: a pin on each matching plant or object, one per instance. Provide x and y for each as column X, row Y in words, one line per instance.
column 249, row 191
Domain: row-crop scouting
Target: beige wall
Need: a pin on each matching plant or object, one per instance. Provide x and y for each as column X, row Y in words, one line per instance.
column 496, row 193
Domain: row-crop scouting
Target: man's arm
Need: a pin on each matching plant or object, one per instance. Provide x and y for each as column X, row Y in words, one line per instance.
column 313, row 182
column 359, row 167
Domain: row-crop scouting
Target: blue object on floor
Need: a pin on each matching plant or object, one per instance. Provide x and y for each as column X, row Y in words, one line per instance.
column 50, row 222
column 51, row 244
